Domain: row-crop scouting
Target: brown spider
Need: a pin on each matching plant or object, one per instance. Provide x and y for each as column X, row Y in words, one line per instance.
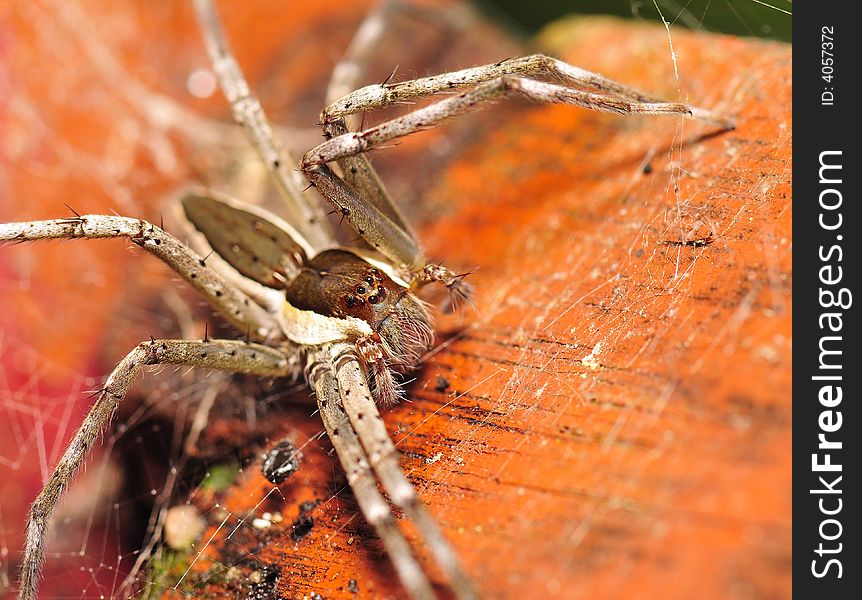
column 348, row 316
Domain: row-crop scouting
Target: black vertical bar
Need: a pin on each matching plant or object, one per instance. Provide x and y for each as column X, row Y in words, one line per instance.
column 826, row 229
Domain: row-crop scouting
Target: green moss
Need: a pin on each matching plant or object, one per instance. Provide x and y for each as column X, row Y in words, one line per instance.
column 220, row 477
column 166, row 568
column 169, row 567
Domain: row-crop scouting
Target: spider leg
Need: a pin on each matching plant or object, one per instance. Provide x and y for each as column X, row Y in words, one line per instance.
column 227, row 355
column 234, row 305
column 383, row 229
column 247, row 111
column 383, row 233
column 383, row 458
column 362, row 481
column 361, row 176
column 345, row 75
column 357, row 170
column 353, row 143
column 537, row 66
column 374, row 216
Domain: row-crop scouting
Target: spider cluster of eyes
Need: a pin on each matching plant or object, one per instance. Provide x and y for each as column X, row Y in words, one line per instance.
column 373, row 281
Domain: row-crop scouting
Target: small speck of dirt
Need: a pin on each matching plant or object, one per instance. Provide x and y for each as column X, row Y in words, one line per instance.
column 281, row 462
column 442, row 384
column 695, row 243
column 264, row 584
column 352, row 586
column 647, row 168
column 304, row 522
column 432, row 459
column 301, row 527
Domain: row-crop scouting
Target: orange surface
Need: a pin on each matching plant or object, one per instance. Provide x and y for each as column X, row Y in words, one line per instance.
column 617, row 419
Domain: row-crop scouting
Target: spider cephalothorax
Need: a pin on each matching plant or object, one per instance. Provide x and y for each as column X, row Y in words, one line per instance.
column 336, row 295
column 340, row 284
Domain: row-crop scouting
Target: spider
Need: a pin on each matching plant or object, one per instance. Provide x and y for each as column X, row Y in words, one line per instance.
column 349, row 318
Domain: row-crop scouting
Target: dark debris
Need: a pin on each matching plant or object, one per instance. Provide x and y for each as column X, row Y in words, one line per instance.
column 301, row 527
column 304, row 523
column 281, row 462
column 265, row 588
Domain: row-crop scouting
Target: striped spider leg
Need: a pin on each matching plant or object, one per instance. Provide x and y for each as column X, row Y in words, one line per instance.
column 473, row 88
column 275, row 358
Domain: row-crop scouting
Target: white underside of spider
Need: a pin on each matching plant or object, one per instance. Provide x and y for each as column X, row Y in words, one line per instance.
column 349, row 316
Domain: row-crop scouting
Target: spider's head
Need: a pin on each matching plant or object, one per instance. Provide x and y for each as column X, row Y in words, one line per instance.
column 337, row 283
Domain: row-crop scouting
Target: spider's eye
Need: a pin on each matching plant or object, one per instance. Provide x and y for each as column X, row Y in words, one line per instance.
column 369, row 280
column 360, row 290
column 374, row 272
column 374, row 299
column 351, row 301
